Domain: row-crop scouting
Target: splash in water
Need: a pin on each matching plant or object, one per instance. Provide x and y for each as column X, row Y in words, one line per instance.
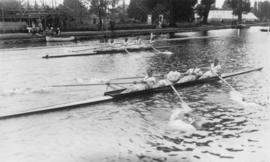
column 178, row 121
column 167, row 53
column 239, row 98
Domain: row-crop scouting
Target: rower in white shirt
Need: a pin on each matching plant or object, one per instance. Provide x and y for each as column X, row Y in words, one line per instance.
column 171, row 78
column 215, row 69
column 191, row 75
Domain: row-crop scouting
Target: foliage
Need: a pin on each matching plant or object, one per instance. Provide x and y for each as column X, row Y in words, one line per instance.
column 176, row 10
column 74, row 8
column 10, row 4
column 238, row 7
column 203, row 9
column 138, row 9
column 262, row 10
column 207, row 6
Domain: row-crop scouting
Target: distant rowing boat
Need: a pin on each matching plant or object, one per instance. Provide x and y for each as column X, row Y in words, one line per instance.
column 264, row 30
column 124, row 49
column 59, row 39
column 116, row 94
column 106, row 50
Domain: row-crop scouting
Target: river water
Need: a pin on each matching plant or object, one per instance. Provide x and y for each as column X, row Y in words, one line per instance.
column 136, row 129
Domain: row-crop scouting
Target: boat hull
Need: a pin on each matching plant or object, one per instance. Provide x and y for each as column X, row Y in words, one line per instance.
column 121, row 94
column 264, row 30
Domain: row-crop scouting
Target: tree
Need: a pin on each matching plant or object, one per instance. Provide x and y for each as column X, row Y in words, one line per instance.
column 99, row 7
column 262, row 10
column 238, row 7
column 74, row 8
column 10, row 4
column 204, row 9
column 6, row 5
column 176, row 9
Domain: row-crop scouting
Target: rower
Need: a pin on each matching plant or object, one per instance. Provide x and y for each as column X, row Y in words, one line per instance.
column 151, row 37
column 215, row 69
column 126, row 42
column 171, row 78
column 149, row 79
column 138, row 40
column 191, row 75
column 112, row 44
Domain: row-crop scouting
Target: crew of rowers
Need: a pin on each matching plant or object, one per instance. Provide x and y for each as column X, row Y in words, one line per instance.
column 173, row 77
column 126, row 42
column 137, row 41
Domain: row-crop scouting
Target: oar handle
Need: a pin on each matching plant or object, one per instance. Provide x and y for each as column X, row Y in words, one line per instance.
column 96, row 84
column 126, row 50
column 158, row 51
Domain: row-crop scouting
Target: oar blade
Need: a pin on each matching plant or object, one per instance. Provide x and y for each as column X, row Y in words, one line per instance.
column 237, row 96
column 185, row 107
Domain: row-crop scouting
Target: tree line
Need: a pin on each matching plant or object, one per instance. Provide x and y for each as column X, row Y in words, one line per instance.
column 173, row 10
column 262, row 10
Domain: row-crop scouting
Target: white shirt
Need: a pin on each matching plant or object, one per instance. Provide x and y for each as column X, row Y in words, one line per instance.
column 150, row 81
column 173, row 76
column 216, row 69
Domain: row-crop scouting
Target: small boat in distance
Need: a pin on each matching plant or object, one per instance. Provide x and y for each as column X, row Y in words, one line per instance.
column 59, row 39
column 264, row 30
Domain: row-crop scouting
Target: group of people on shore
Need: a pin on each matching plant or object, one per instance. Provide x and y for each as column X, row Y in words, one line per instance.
column 174, row 77
column 39, row 29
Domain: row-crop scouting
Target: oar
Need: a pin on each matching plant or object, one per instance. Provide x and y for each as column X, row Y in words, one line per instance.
column 238, row 94
column 126, row 78
column 87, row 49
column 158, row 51
column 94, row 84
column 135, row 77
column 183, row 103
column 126, row 50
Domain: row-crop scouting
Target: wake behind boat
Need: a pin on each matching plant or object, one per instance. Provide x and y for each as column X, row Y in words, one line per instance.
column 117, row 94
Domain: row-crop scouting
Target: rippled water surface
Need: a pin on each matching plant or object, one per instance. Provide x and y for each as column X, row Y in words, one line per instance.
column 136, row 129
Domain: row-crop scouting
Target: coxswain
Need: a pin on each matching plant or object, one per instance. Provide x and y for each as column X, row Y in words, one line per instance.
column 215, row 69
column 149, row 81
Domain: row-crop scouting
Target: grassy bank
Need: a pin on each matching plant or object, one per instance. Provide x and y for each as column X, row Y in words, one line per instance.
column 126, row 30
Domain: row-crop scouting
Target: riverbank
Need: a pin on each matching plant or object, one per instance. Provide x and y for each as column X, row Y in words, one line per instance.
column 86, row 35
